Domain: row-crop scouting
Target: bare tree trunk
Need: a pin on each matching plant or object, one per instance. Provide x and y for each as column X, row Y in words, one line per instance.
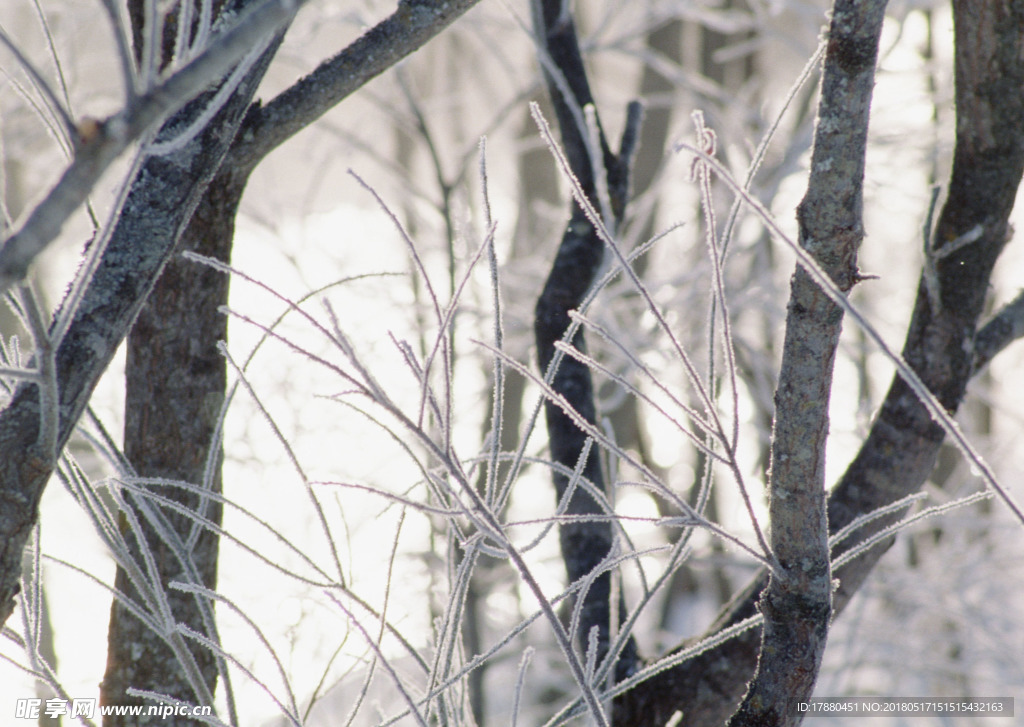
column 587, row 542
column 797, row 604
column 901, row 448
column 176, row 382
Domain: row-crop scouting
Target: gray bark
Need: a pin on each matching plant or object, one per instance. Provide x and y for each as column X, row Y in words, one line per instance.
column 797, row 603
column 176, row 382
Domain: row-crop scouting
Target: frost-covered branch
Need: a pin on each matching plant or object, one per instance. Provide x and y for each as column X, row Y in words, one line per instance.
column 1005, row 327
column 100, row 142
column 156, row 209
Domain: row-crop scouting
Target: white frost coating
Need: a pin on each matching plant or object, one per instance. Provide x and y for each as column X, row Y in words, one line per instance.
column 184, row 49
column 205, row 25
column 972, row 235
column 164, row 148
column 422, row 15
column 93, row 255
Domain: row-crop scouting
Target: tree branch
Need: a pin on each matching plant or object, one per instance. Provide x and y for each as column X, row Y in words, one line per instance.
column 585, row 544
column 159, row 206
column 1002, row 329
column 99, row 143
column 397, row 36
column 797, row 604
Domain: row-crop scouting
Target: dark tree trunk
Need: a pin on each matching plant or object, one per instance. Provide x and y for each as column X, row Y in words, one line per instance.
column 175, row 381
column 585, row 543
column 175, row 386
